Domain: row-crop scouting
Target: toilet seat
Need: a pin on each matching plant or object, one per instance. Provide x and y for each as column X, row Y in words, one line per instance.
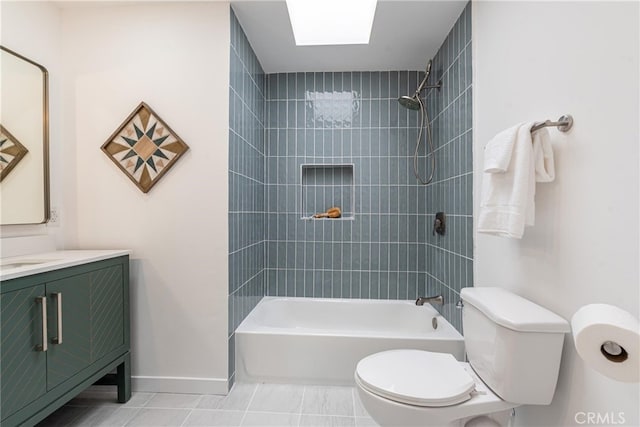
column 415, row 377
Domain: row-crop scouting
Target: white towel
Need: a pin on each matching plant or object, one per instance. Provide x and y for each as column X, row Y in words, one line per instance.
column 513, row 162
column 497, row 153
column 543, row 156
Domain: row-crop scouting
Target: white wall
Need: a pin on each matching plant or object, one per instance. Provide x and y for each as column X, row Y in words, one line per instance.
column 32, row 29
column 536, row 61
column 175, row 57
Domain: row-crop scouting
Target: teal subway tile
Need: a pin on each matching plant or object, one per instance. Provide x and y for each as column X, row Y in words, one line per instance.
column 374, row 285
column 375, row 113
column 309, row 283
column 281, row 91
column 327, row 285
column 375, row 84
column 365, row 82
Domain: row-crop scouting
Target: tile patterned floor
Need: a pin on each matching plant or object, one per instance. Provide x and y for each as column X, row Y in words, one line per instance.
column 273, row 405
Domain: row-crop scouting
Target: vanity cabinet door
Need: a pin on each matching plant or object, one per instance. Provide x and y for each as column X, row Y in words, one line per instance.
column 22, row 365
column 73, row 354
column 107, row 311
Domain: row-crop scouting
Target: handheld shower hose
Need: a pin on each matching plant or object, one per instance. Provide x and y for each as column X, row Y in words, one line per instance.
column 415, row 103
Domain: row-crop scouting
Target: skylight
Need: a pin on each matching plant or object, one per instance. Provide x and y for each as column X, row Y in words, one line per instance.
column 331, row 22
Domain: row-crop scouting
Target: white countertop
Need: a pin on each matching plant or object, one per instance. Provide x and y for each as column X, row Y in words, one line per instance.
column 25, row 265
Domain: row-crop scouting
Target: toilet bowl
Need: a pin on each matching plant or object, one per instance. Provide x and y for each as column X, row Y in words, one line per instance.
column 421, row 388
column 503, row 335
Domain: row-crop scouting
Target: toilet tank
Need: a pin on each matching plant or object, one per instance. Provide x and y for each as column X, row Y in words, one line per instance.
column 513, row 344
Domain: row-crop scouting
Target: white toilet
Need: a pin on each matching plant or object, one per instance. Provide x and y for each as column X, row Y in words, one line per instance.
column 513, row 346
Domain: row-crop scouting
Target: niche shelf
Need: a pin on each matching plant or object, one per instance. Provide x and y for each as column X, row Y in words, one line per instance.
column 327, row 185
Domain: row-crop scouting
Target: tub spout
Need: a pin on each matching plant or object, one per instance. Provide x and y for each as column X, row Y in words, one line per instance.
column 438, row 299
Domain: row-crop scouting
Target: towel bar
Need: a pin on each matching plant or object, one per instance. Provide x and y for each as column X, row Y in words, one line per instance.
column 563, row 124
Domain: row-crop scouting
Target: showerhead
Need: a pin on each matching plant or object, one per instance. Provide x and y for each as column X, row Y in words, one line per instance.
column 413, row 102
column 410, row 102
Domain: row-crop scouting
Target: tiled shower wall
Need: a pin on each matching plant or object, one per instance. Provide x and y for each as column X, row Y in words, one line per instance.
column 246, row 182
column 344, row 118
column 449, row 261
column 386, row 250
column 352, row 118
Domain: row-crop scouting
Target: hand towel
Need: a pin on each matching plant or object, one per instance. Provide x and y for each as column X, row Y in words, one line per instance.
column 543, row 156
column 507, row 194
column 497, row 153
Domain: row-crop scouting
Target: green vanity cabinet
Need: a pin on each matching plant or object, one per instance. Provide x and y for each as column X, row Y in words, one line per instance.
column 107, row 312
column 84, row 335
column 23, row 370
column 73, row 354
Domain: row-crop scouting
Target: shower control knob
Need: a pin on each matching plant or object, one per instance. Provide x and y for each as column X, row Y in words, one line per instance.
column 439, row 224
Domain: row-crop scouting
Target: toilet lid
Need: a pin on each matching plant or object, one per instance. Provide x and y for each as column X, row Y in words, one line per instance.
column 415, row 377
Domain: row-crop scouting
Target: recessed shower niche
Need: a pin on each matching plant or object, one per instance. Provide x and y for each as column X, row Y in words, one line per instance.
column 326, row 186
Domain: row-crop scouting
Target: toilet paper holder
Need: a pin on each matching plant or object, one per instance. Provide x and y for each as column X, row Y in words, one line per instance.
column 607, row 339
column 614, row 352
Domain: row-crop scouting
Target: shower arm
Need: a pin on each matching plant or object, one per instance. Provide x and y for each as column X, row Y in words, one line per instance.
column 423, row 86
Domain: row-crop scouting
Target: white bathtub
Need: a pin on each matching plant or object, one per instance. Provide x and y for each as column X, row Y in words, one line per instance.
column 320, row 341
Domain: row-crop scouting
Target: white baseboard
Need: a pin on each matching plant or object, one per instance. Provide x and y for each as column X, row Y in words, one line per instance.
column 187, row 385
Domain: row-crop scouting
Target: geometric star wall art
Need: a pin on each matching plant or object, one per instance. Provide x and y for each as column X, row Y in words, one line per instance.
column 144, row 147
column 11, row 152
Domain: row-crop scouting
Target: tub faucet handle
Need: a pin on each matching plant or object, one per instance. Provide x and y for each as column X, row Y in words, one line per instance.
column 437, row 299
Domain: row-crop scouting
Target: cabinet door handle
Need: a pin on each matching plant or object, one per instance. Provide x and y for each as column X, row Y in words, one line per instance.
column 58, row 338
column 43, row 305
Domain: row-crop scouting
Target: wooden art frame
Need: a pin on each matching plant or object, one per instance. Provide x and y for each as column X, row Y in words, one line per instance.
column 11, row 152
column 144, row 147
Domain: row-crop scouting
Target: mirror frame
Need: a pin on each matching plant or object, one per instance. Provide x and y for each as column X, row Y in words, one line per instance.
column 45, row 135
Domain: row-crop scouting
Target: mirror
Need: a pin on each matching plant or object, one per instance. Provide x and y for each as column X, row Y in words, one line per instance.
column 24, row 140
